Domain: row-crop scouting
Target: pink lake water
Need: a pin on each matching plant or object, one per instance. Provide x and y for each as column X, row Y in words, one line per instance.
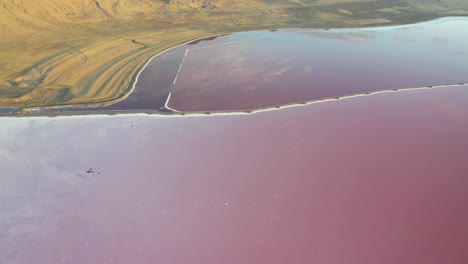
column 376, row 179
column 252, row 70
column 363, row 180
column 261, row 69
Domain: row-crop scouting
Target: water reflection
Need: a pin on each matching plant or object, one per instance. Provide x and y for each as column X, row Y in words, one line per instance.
column 302, row 64
column 250, row 70
column 373, row 180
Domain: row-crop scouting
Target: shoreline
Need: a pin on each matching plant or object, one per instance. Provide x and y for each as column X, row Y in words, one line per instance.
column 135, row 78
column 179, row 114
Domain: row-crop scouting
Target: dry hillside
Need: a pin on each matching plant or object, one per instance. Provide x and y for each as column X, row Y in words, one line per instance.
column 86, row 51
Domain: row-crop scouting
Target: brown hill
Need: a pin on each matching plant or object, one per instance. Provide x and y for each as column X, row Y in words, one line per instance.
column 85, row 51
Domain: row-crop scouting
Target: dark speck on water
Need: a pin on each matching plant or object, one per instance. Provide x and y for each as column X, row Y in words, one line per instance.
column 92, row 171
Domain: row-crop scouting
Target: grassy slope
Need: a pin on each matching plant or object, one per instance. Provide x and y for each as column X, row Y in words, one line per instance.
column 84, row 51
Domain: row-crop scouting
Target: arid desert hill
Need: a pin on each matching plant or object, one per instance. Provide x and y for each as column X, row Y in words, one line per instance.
column 86, row 51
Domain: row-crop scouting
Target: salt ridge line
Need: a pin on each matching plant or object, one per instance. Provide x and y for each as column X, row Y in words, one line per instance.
column 180, row 67
column 166, row 105
column 179, row 114
column 311, row 102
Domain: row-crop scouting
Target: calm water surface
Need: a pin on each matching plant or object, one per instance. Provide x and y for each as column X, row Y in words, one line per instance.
column 376, row 179
column 259, row 69
column 6, row 111
column 379, row 179
column 262, row 69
